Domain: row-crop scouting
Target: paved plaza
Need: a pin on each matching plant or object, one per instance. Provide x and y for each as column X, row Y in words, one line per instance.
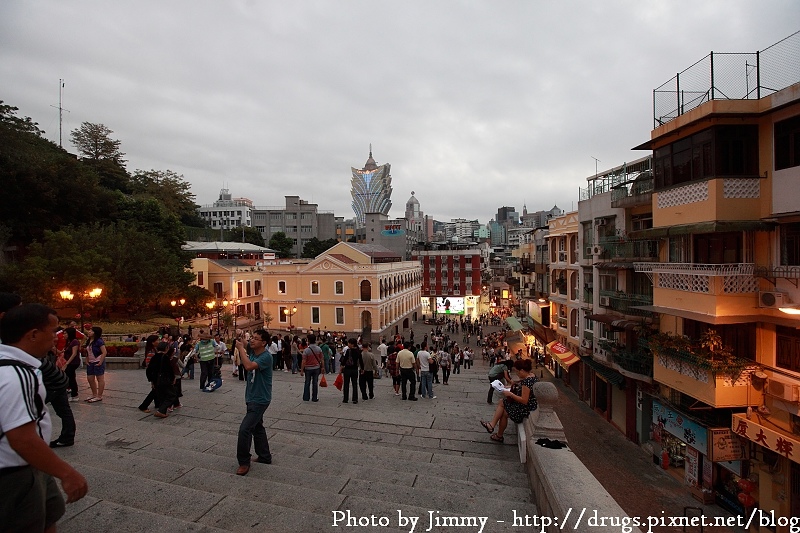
column 383, row 457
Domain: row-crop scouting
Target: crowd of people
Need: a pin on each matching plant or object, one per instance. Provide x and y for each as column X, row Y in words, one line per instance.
column 40, row 362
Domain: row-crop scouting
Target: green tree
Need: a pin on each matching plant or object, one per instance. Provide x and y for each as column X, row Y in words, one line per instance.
column 281, row 244
column 172, row 190
column 252, row 235
column 314, row 247
column 94, row 142
column 8, row 118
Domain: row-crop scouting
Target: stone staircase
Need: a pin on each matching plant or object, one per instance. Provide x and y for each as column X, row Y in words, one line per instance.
column 382, row 458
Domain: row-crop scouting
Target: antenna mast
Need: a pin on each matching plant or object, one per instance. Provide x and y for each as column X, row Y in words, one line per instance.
column 60, row 109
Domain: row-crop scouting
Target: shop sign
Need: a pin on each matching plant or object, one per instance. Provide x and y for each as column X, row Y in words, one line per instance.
column 678, row 425
column 768, row 438
column 692, row 471
column 708, row 473
column 726, row 445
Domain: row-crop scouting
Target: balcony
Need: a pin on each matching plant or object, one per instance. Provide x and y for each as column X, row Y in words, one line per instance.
column 635, row 193
column 627, row 249
column 730, row 278
column 625, row 303
column 718, row 380
column 636, row 364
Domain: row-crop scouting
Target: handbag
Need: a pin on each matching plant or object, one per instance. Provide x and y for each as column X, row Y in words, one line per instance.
column 322, row 381
column 339, row 382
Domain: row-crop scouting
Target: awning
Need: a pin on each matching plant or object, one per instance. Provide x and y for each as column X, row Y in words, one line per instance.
column 562, row 354
column 514, row 324
column 780, row 442
column 715, row 226
column 544, row 334
column 610, row 375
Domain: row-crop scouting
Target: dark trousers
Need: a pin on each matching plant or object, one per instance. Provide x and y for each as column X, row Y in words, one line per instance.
column 178, row 393
column 61, row 406
column 350, row 378
column 165, row 394
column 491, row 394
column 311, row 385
column 445, row 374
column 407, row 375
column 73, row 380
column 252, row 429
column 205, row 372
column 365, row 381
column 242, row 373
column 151, row 396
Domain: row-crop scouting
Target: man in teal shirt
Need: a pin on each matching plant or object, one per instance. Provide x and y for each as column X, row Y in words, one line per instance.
column 257, row 396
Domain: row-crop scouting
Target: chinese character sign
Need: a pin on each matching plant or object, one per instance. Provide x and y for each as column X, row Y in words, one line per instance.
column 678, row 425
column 766, row 437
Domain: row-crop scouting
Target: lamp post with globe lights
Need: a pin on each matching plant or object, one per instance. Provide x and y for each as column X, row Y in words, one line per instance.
column 92, row 294
column 219, row 306
column 290, row 313
column 174, row 304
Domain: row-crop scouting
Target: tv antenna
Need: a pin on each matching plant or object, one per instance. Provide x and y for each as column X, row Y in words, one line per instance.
column 595, row 165
column 60, row 109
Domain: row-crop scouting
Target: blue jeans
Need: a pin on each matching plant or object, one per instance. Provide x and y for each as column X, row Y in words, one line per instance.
column 252, row 427
column 188, row 369
column 311, row 377
column 426, row 384
column 295, row 363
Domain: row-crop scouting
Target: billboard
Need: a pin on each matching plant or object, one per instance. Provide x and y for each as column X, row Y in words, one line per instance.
column 449, row 306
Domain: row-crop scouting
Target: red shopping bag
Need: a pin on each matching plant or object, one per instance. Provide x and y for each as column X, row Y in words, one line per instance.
column 322, row 381
column 339, row 382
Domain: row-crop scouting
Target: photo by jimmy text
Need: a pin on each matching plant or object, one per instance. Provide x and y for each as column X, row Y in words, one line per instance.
column 411, row 523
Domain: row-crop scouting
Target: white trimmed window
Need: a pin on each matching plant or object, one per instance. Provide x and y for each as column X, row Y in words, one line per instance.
column 339, row 316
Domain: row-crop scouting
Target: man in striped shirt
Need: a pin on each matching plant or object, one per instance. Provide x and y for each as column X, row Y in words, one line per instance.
column 31, row 499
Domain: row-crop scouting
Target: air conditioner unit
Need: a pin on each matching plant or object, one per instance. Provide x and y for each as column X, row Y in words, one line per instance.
column 589, row 250
column 259, row 263
column 600, row 222
column 597, row 250
column 605, row 301
column 562, row 257
column 772, row 299
column 586, row 343
column 784, row 390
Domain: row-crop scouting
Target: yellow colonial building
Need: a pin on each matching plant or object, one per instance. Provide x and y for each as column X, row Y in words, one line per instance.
column 359, row 289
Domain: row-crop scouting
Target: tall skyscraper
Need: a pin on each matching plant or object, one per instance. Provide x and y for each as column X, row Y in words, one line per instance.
column 371, row 188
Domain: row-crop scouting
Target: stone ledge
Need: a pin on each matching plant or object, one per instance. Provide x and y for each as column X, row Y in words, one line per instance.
column 123, row 363
column 559, row 481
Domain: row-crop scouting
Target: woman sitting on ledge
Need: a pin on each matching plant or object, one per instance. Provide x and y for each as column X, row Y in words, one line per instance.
column 518, row 402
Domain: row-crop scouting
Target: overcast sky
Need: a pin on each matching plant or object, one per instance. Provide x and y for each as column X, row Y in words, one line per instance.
column 475, row 105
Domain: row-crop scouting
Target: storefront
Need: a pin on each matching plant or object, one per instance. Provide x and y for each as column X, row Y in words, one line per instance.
column 775, row 456
column 682, row 449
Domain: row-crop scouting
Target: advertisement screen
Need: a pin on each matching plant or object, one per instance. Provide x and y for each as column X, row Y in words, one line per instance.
column 449, row 306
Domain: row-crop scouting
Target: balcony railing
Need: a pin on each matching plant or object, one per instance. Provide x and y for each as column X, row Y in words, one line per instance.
column 637, row 361
column 625, row 303
column 622, row 248
column 729, row 278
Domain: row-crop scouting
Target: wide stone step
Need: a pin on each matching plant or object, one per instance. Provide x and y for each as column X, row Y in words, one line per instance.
column 91, row 515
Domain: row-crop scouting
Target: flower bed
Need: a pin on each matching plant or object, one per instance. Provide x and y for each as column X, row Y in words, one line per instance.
column 121, row 349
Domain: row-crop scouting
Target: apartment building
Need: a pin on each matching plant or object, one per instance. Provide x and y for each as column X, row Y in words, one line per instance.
column 298, row 219
column 726, row 215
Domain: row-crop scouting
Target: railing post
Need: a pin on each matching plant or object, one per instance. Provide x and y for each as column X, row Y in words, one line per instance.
column 712, row 74
column 758, row 75
column 678, row 91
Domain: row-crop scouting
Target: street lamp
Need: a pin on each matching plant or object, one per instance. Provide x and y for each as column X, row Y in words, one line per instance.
column 219, row 306
column 68, row 296
column 174, row 303
column 290, row 313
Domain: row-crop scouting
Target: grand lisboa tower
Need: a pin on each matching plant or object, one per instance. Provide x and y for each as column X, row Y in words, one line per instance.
column 371, row 188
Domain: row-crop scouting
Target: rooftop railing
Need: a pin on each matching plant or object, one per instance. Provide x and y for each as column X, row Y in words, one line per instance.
column 729, row 76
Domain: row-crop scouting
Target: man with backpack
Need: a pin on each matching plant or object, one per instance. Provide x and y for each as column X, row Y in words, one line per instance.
column 31, row 499
column 351, row 365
